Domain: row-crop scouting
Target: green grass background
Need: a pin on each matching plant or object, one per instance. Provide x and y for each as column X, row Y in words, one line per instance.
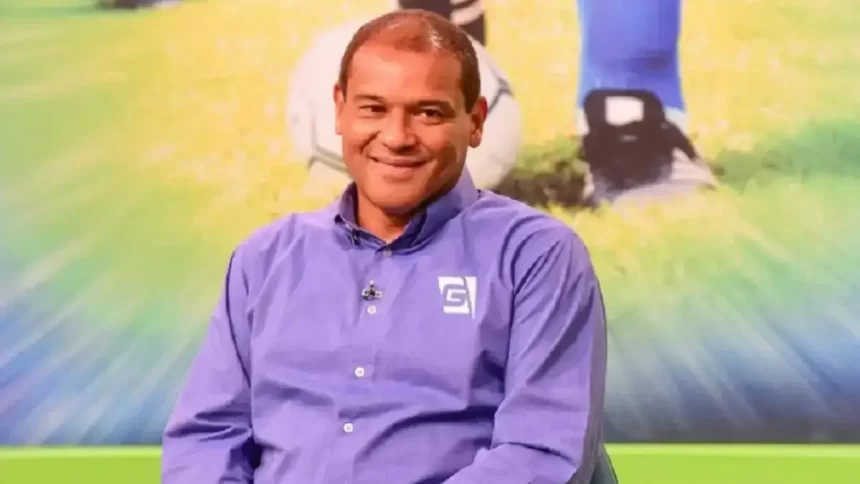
column 180, row 113
column 635, row 464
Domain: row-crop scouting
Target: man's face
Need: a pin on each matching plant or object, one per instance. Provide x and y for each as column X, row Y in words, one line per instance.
column 404, row 125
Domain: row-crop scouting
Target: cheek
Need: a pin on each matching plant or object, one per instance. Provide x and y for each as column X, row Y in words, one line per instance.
column 445, row 142
column 357, row 133
column 450, row 152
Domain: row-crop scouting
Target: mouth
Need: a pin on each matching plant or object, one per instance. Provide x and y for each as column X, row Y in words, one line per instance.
column 399, row 163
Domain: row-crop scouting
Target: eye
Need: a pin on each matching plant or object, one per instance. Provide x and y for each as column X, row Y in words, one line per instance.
column 430, row 114
column 371, row 109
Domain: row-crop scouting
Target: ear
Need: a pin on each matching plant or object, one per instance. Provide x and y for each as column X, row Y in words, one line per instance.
column 478, row 116
column 339, row 100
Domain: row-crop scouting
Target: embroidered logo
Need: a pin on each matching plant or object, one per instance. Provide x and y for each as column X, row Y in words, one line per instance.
column 459, row 294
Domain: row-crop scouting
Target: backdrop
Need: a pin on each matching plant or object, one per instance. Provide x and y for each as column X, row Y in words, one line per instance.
column 138, row 147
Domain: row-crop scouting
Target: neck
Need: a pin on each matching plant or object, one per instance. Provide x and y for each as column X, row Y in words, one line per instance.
column 380, row 223
column 388, row 226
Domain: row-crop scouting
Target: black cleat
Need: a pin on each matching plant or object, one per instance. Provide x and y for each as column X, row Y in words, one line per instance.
column 634, row 153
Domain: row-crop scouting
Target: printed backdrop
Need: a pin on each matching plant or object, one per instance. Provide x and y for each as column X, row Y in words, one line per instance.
column 138, row 147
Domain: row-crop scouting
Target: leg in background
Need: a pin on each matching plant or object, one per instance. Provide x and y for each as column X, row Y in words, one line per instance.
column 630, row 108
column 631, row 44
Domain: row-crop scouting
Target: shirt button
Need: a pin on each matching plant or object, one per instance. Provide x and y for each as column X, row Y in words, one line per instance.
column 348, row 428
column 359, row 371
column 386, row 252
column 371, row 309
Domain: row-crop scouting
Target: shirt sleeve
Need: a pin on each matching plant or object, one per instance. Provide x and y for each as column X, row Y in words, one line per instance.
column 208, row 438
column 548, row 428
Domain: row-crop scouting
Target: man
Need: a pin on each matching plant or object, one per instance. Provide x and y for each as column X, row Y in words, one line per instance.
column 416, row 331
column 631, row 112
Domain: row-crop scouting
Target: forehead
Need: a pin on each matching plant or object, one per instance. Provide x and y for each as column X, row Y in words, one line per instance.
column 390, row 72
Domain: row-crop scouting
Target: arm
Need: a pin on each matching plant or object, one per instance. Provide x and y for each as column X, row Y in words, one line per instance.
column 548, row 427
column 208, row 438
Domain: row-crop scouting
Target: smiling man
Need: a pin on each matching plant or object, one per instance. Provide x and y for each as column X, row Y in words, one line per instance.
column 418, row 330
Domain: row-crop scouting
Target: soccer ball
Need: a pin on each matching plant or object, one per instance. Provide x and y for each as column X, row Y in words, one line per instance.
column 311, row 111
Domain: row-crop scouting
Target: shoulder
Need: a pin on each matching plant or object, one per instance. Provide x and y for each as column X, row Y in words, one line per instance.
column 522, row 226
column 275, row 241
column 528, row 237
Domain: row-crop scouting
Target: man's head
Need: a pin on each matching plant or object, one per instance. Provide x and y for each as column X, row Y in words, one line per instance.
column 408, row 108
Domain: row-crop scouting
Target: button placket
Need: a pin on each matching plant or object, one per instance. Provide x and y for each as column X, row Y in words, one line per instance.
column 372, row 308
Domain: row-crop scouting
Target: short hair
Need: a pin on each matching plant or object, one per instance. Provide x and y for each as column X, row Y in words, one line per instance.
column 419, row 31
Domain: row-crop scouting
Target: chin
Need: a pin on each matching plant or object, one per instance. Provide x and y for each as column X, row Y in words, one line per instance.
column 396, row 203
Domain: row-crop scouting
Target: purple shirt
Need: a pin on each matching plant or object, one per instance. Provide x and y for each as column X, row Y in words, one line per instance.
column 477, row 356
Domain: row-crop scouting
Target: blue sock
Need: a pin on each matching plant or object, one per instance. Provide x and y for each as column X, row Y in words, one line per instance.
column 631, row 44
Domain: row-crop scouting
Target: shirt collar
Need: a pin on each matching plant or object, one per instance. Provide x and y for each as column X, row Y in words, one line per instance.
column 425, row 224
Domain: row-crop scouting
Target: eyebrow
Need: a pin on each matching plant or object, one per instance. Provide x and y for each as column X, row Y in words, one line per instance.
column 438, row 103
column 368, row 97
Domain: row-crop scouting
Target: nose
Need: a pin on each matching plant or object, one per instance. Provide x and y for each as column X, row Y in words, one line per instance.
column 397, row 133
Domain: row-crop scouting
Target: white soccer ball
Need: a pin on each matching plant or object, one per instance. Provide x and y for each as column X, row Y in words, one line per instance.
column 311, row 110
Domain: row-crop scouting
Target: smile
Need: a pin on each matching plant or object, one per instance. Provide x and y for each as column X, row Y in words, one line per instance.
column 403, row 163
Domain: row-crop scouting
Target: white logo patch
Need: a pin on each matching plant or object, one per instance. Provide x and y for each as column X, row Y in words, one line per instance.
column 459, row 294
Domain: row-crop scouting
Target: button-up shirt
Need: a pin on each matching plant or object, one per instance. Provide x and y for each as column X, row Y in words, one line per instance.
column 471, row 349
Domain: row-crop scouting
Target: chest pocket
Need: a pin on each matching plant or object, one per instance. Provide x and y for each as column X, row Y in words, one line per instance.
column 447, row 333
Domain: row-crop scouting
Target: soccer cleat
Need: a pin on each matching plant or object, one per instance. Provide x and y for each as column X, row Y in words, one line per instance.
column 634, row 153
